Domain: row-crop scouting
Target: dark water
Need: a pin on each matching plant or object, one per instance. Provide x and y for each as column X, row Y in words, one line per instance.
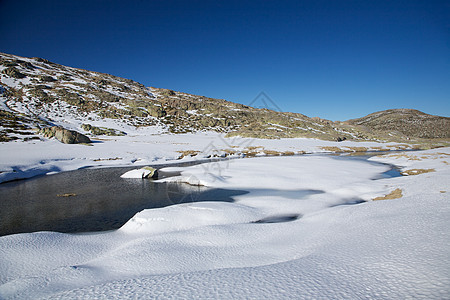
column 101, row 200
column 98, row 199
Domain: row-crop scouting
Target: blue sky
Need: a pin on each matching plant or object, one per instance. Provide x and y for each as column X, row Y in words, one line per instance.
column 333, row 59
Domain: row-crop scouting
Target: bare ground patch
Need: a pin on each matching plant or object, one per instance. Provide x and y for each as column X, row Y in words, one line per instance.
column 106, row 159
column 186, row 153
column 335, row 149
column 417, row 171
column 395, row 194
column 358, row 149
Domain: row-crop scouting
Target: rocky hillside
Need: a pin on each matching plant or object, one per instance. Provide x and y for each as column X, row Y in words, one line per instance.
column 36, row 93
column 407, row 122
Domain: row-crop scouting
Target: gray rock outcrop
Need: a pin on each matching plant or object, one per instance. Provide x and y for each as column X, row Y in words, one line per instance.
column 64, row 135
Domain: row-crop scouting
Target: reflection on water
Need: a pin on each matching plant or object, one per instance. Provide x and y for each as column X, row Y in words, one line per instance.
column 90, row 200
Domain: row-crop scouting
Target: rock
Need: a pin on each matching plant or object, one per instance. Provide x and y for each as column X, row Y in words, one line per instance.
column 166, row 92
column 145, row 172
column 64, row 135
column 156, row 111
column 13, row 72
column 151, row 172
column 102, row 130
column 46, row 78
column 341, row 139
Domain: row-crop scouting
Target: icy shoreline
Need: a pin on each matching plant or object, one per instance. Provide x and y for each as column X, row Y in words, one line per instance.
column 22, row 160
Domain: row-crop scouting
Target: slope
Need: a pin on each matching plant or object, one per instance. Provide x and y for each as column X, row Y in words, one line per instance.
column 36, row 93
column 408, row 122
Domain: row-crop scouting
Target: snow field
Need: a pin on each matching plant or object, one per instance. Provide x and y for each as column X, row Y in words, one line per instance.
column 142, row 146
column 379, row 249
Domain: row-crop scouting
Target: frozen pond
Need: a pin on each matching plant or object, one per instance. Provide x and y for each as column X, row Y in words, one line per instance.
column 98, row 199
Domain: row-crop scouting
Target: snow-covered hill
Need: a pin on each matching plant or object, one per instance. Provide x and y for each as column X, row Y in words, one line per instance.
column 36, row 93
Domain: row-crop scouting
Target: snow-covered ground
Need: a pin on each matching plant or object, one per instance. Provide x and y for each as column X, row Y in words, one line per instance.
column 299, row 232
column 142, row 146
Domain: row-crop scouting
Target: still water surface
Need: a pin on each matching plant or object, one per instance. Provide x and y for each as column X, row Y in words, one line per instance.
column 101, row 199
column 95, row 200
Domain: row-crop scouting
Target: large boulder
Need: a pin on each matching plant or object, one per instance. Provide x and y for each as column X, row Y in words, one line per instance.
column 64, row 135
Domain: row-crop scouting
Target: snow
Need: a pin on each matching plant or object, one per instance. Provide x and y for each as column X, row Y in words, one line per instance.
column 437, row 159
column 141, row 146
column 3, row 100
column 138, row 173
column 302, row 227
column 336, row 249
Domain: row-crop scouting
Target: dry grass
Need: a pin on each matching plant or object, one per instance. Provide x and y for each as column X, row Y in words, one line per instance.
column 334, row 149
column 395, row 194
column 229, row 151
column 106, row 159
column 66, row 195
column 251, row 148
column 417, row 171
column 288, row 153
column 250, row 153
column 407, row 156
column 378, row 149
column 417, row 147
column 399, row 147
column 358, row 149
column 186, row 153
column 403, row 147
column 271, row 152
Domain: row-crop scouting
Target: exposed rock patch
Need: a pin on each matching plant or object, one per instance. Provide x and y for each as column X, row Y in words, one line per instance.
column 102, row 130
column 64, row 135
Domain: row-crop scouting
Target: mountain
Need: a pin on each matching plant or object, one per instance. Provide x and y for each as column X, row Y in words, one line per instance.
column 37, row 93
column 408, row 122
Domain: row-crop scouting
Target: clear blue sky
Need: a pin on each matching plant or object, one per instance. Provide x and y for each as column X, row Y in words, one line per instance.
column 333, row 59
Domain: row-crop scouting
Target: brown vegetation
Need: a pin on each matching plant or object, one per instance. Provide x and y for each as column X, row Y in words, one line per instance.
column 395, row 194
column 187, row 153
column 66, row 195
column 417, row 171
